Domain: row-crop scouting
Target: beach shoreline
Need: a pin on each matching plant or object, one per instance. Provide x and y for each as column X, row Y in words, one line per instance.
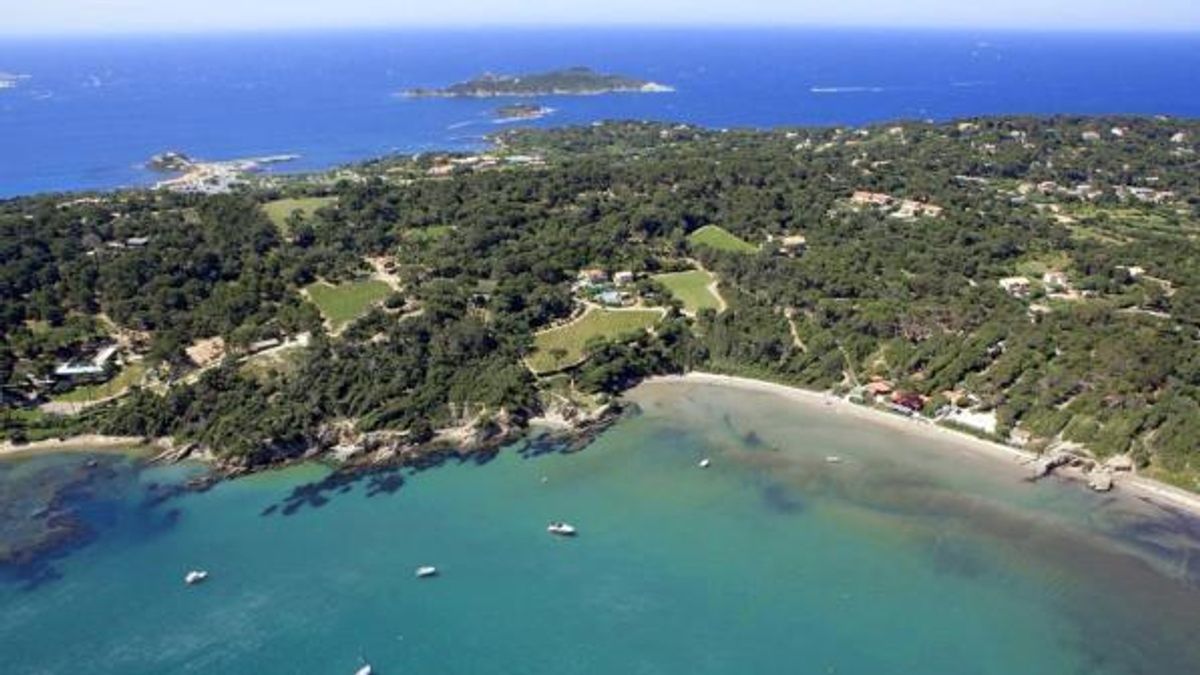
column 98, row 443
column 1159, row 494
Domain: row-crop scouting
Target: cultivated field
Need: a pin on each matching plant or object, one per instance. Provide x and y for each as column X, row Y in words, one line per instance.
column 714, row 236
column 346, row 301
column 280, row 209
column 692, row 289
column 561, row 347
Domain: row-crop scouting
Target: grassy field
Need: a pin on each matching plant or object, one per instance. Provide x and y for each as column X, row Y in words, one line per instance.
column 691, row 288
column 563, row 346
column 129, row 376
column 714, row 236
column 280, row 209
column 346, row 301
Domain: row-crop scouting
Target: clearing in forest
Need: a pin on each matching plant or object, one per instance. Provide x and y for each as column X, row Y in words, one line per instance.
column 694, row 288
column 281, row 209
column 563, row 346
column 346, row 301
column 715, row 236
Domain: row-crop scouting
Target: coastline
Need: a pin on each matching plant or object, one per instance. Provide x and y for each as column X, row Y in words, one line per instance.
column 81, row 443
column 1157, row 493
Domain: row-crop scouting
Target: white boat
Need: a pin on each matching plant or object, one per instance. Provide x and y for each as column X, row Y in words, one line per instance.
column 561, row 529
column 705, row 463
column 194, row 577
column 426, row 571
column 365, row 670
column 833, row 459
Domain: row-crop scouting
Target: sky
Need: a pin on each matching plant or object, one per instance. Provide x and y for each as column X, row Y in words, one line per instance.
column 32, row 17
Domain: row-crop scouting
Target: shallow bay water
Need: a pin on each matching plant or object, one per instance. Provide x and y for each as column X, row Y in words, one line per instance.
column 909, row 555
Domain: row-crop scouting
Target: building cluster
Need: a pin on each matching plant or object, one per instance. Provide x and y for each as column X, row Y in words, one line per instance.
column 882, row 391
column 447, row 166
column 599, row 286
column 904, row 209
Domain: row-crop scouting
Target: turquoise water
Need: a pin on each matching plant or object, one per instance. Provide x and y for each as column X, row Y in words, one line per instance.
column 895, row 560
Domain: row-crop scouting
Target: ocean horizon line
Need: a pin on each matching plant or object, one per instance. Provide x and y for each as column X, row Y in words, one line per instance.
column 260, row 32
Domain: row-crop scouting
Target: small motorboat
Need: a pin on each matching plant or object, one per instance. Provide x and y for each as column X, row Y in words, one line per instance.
column 833, row 459
column 561, row 529
column 364, row 670
column 194, row 577
column 426, row 571
column 705, row 463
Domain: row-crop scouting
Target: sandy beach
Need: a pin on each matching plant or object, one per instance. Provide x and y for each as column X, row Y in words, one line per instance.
column 1160, row 494
column 85, row 442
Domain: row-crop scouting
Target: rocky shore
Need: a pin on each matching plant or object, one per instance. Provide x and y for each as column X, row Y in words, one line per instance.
column 351, row 451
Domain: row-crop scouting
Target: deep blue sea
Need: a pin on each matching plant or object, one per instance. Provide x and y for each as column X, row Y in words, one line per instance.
column 93, row 110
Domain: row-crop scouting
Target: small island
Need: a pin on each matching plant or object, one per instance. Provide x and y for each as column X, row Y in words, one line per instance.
column 519, row 112
column 577, row 81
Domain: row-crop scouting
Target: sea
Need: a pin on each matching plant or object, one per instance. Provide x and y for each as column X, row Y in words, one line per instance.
column 909, row 555
column 90, row 111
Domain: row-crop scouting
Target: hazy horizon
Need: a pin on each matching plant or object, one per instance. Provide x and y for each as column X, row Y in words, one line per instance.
column 124, row 17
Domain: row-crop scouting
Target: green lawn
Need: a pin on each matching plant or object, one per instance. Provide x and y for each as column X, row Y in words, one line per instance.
column 691, row 288
column 714, row 236
column 280, row 209
column 347, row 301
column 129, row 376
column 571, row 338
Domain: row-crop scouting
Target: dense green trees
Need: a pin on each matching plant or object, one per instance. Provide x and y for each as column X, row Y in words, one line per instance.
column 488, row 258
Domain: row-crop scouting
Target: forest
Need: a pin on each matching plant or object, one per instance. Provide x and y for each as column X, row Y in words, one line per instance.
column 909, row 230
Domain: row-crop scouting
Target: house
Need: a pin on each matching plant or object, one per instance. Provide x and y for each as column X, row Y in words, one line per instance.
column 1134, row 271
column 792, row 245
column 593, row 276
column 262, row 345
column 1055, row 280
column 910, row 209
column 623, row 278
column 94, row 367
column 909, row 400
column 865, row 198
column 878, row 388
column 1018, row 287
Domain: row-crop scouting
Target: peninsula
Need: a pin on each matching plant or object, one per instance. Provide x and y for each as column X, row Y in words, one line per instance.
column 1028, row 280
column 577, row 81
